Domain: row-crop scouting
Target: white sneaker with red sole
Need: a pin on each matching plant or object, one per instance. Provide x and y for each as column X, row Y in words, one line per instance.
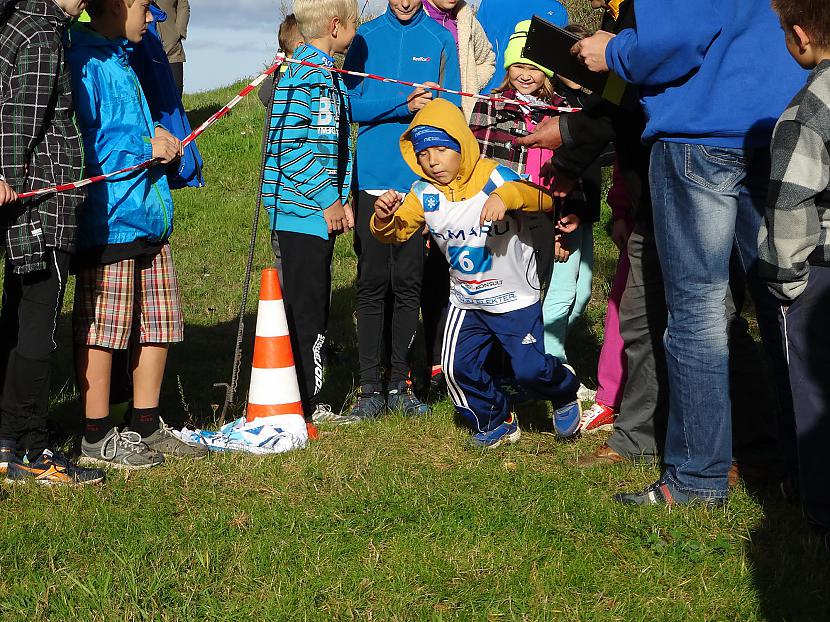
column 598, row 418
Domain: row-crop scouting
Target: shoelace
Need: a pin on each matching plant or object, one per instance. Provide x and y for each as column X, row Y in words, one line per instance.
column 129, row 441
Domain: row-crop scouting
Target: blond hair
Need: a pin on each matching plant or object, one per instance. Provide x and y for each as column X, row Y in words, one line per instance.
column 545, row 92
column 313, row 16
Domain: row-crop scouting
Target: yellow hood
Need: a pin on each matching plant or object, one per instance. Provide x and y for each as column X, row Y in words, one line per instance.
column 474, row 172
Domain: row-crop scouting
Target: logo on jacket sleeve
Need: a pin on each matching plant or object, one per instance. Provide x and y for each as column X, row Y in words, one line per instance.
column 431, row 202
column 421, row 59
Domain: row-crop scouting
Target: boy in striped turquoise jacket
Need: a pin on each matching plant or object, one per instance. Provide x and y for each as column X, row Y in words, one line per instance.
column 306, row 183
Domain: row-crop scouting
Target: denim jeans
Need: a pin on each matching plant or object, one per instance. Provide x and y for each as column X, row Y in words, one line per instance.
column 708, row 201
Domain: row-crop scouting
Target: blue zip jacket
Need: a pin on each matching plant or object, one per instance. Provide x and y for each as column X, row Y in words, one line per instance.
column 499, row 19
column 149, row 61
column 116, row 126
column 712, row 72
column 308, row 166
column 419, row 50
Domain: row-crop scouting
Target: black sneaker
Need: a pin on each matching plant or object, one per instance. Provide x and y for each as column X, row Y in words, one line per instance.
column 51, row 469
column 438, row 386
column 370, row 404
column 659, row 493
column 401, row 399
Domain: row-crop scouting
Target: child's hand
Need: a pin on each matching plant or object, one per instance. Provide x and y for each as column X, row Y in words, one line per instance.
column 569, row 223
column 335, row 217
column 620, row 232
column 560, row 253
column 420, row 97
column 494, row 210
column 387, row 204
column 166, row 147
column 7, row 195
column 349, row 217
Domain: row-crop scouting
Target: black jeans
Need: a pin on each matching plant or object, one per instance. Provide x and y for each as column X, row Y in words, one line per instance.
column 435, row 300
column 177, row 69
column 306, row 283
column 379, row 268
column 28, row 322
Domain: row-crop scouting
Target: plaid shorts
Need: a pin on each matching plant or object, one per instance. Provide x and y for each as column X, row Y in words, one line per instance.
column 113, row 299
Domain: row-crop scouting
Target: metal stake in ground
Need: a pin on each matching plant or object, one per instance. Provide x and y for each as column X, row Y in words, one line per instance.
column 232, row 386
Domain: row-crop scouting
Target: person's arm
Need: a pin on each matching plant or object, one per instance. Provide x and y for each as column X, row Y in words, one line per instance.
column 669, row 43
column 481, row 124
column 524, row 196
column 484, row 55
column 585, row 135
column 370, row 109
column 800, row 172
column 289, row 148
column 449, row 73
column 404, row 222
column 100, row 143
column 32, row 82
column 183, row 17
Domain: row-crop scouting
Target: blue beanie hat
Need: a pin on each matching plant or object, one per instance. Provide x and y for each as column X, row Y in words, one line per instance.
column 425, row 136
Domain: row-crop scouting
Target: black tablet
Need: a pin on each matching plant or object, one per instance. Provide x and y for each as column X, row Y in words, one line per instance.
column 550, row 46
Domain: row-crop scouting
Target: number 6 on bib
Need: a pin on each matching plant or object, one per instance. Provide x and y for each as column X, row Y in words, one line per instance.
column 470, row 259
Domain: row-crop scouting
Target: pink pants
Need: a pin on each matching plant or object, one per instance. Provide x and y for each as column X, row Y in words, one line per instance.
column 611, row 370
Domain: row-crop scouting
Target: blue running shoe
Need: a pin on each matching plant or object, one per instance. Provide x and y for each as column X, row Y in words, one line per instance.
column 402, row 400
column 566, row 419
column 506, row 434
column 370, row 404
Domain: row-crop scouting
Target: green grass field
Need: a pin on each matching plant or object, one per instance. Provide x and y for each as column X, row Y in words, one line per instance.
column 390, row 521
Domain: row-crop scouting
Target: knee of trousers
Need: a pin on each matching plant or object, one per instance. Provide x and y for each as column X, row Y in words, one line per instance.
column 530, row 369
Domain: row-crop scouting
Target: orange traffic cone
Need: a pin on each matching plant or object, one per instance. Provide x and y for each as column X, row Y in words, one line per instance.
column 274, row 396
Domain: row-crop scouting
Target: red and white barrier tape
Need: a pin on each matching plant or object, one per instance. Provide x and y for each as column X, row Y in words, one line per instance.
column 253, row 85
column 189, row 139
column 564, row 109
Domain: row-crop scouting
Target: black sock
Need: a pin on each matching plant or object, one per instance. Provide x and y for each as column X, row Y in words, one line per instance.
column 145, row 421
column 96, row 429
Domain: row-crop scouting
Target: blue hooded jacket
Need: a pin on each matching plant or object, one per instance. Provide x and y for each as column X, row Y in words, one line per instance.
column 420, row 50
column 712, row 72
column 149, row 61
column 117, row 127
column 499, row 19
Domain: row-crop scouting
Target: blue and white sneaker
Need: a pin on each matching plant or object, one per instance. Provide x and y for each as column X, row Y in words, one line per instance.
column 506, row 434
column 566, row 419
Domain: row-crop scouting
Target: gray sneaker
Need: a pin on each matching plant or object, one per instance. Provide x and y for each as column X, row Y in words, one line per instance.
column 323, row 414
column 167, row 443
column 119, row 450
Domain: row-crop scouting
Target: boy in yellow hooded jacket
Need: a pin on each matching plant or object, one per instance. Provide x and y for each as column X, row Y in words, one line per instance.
column 472, row 208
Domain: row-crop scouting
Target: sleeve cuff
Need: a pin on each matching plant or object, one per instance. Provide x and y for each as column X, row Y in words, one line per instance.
column 148, row 150
column 564, row 131
column 327, row 197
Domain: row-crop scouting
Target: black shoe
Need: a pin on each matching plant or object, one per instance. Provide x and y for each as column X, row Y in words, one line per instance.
column 370, row 404
column 438, row 386
column 659, row 493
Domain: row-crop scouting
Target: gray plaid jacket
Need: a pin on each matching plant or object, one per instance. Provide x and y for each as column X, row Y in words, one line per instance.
column 795, row 232
column 40, row 144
